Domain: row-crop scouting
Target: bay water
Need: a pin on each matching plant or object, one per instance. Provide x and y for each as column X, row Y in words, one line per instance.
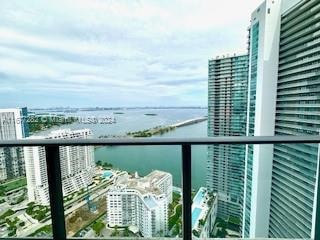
column 144, row 159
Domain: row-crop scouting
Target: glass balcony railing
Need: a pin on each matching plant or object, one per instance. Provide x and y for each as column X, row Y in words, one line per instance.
column 193, row 206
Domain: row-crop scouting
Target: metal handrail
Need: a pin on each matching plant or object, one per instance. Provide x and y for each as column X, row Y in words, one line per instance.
column 163, row 141
column 55, row 181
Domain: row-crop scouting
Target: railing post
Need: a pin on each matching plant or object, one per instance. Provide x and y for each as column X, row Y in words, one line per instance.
column 55, row 192
column 186, row 192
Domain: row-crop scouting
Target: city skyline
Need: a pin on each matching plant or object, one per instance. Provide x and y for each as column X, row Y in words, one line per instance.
column 115, row 53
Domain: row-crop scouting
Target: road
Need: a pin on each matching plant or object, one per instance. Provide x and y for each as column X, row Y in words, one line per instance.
column 70, row 208
column 81, row 203
column 189, row 122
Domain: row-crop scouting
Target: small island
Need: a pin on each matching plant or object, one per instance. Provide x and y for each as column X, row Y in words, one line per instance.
column 118, row 113
column 150, row 114
column 159, row 130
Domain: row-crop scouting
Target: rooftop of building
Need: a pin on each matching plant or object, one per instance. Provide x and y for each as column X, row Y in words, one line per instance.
column 155, row 176
column 226, row 56
column 143, row 184
column 61, row 133
column 17, row 109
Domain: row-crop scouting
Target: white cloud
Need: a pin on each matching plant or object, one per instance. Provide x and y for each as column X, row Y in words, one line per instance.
column 122, row 50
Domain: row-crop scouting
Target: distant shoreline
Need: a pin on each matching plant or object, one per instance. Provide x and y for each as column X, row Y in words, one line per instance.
column 68, row 109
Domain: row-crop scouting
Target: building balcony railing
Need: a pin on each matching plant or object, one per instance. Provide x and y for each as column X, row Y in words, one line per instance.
column 55, row 183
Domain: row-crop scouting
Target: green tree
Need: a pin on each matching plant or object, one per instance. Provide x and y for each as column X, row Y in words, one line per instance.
column 126, row 232
column 201, row 222
column 221, row 233
column 115, row 232
column 40, row 215
column 97, row 227
column 7, row 213
column 12, row 233
column 2, row 190
column 195, row 233
column 107, row 165
column 176, row 229
column 30, row 204
column 173, row 219
column 222, row 224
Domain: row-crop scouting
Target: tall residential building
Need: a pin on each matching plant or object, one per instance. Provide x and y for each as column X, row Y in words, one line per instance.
column 263, row 72
column 141, row 202
column 227, row 100
column 13, row 125
column 282, row 99
column 77, row 165
column 294, row 182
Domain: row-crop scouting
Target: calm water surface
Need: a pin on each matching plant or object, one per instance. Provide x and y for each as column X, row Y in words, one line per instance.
column 144, row 159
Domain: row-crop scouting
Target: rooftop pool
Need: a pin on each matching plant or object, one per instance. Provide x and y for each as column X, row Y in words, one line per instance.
column 195, row 216
column 107, row 174
column 198, row 199
column 197, row 206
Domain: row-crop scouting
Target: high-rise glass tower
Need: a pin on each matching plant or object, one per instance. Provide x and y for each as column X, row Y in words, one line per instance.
column 227, row 98
column 293, row 197
column 262, row 84
column 13, row 125
column 284, row 90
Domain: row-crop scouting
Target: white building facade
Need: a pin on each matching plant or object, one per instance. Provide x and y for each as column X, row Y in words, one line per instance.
column 77, row 165
column 13, row 126
column 141, row 203
column 269, row 100
column 293, row 203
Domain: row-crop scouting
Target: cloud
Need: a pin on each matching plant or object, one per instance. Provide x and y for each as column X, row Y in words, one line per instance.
column 115, row 52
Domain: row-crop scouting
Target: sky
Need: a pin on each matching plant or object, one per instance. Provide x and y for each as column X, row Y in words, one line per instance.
column 115, row 53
